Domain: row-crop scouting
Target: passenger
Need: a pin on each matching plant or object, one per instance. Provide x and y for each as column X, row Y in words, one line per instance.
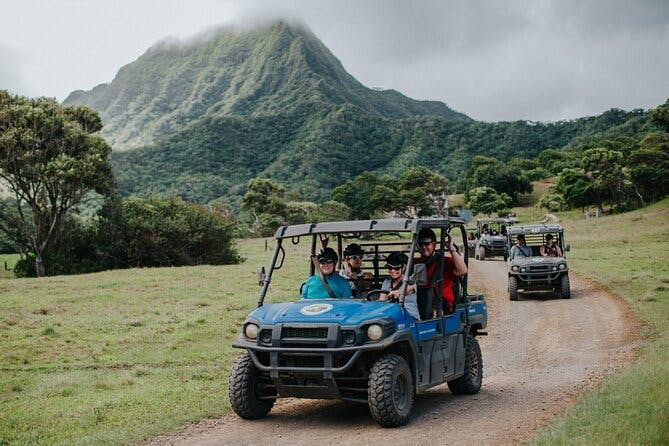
column 550, row 249
column 352, row 270
column 471, row 236
column 326, row 283
column 454, row 267
column 520, row 249
column 503, row 231
column 396, row 263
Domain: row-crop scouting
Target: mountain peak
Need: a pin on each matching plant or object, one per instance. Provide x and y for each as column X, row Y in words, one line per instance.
column 278, row 67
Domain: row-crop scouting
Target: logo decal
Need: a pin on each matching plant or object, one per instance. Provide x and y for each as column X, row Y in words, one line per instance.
column 537, row 259
column 315, row 309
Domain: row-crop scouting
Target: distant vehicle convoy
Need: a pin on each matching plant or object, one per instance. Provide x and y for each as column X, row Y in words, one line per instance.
column 360, row 349
column 491, row 237
column 539, row 272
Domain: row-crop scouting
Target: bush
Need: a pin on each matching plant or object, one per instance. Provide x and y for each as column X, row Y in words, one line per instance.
column 552, row 202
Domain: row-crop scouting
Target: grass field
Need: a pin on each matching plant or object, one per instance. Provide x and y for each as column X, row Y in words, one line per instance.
column 7, row 262
column 628, row 254
column 120, row 356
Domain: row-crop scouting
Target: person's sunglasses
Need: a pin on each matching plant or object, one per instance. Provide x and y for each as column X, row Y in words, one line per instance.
column 325, row 261
column 424, row 243
column 355, row 257
column 393, row 267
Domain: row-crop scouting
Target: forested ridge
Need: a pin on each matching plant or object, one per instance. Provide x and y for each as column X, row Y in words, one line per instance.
column 200, row 120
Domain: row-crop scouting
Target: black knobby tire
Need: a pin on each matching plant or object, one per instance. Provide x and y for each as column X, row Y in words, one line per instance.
column 513, row 288
column 565, row 290
column 481, row 254
column 244, row 389
column 390, row 391
column 471, row 381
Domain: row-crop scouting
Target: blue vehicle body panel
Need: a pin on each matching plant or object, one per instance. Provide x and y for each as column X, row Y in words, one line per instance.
column 346, row 312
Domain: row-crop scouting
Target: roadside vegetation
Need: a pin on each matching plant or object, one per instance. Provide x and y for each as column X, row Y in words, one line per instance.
column 629, row 255
column 119, row 356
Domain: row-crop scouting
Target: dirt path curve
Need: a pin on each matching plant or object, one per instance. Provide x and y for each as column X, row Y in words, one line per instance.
column 541, row 352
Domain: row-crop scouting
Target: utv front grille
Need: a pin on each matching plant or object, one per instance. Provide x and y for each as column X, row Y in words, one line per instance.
column 304, row 332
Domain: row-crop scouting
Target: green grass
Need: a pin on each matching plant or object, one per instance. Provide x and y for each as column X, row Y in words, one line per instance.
column 7, row 262
column 120, row 356
column 629, row 254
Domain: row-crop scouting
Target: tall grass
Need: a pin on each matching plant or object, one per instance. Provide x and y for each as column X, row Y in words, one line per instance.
column 628, row 254
column 119, row 356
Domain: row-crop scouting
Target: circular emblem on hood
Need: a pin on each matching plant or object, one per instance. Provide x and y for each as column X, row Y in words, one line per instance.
column 315, row 309
column 537, row 259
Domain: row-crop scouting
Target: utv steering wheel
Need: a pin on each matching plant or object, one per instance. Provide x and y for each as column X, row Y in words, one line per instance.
column 373, row 295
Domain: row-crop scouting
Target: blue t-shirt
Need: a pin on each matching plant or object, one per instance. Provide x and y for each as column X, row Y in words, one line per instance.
column 314, row 289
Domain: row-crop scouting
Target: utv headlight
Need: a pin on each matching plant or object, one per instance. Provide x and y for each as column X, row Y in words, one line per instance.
column 251, row 331
column 265, row 336
column 375, row 332
column 514, row 268
column 554, row 268
column 523, row 269
column 349, row 337
column 562, row 266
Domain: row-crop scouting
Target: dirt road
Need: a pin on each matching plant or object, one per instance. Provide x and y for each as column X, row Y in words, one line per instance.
column 540, row 353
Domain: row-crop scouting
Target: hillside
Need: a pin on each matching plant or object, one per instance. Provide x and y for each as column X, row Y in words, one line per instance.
column 274, row 69
column 203, row 118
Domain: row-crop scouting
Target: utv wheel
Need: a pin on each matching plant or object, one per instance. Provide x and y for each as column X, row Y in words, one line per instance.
column 513, row 288
column 565, row 291
column 245, row 390
column 481, row 255
column 390, row 391
column 470, row 382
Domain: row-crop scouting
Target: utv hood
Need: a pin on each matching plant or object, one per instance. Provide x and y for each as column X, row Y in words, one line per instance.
column 324, row 311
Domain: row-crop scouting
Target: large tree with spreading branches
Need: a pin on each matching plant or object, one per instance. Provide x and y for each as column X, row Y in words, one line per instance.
column 51, row 156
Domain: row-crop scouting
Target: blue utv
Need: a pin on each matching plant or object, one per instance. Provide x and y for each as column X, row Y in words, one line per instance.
column 360, row 349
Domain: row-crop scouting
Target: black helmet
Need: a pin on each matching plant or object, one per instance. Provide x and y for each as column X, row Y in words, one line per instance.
column 353, row 250
column 426, row 235
column 397, row 258
column 328, row 254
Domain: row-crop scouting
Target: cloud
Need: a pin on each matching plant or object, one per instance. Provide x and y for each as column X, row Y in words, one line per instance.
column 500, row 60
column 10, row 72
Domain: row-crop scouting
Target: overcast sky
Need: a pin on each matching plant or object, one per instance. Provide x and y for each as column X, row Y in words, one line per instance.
column 491, row 59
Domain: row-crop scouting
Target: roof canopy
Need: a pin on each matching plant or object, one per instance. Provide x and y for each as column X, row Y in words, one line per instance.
column 535, row 229
column 357, row 226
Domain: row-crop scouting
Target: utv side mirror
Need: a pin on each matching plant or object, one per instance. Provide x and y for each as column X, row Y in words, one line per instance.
column 261, row 275
column 419, row 276
column 567, row 247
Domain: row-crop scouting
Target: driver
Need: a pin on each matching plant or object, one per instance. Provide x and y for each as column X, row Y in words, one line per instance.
column 396, row 262
column 326, row 283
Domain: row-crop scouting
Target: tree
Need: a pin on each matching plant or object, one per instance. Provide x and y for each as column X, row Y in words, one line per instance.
column 552, row 202
column 576, row 188
column 649, row 167
column 503, row 178
column 660, row 116
column 604, row 168
column 487, row 200
column 265, row 200
column 357, row 193
column 50, row 157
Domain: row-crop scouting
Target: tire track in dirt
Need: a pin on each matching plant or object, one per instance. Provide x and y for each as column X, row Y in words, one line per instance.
column 541, row 352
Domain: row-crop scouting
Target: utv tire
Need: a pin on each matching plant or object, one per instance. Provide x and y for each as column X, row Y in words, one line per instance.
column 244, row 389
column 481, row 254
column 470, row 382
column 513, row 288
column 390, row 391
column 506, row 257
column 565, row 290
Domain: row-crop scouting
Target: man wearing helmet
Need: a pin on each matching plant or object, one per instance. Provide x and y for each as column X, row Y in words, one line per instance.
column 326, row 283
column 352, row 269
column 429, row 302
